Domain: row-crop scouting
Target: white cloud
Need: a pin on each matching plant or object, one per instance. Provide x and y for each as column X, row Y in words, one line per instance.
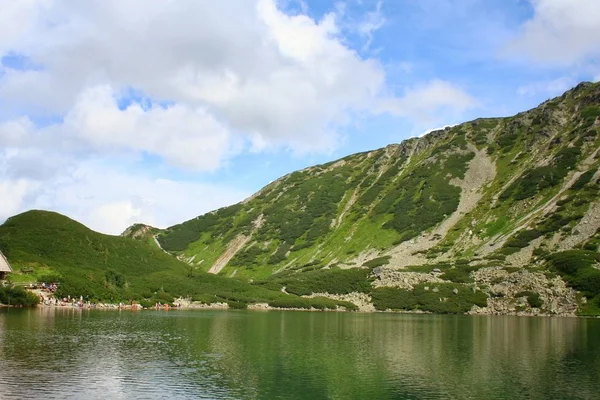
column 432, row 103
column 283, row 79
column 13, row 194
column 17, row 19
column 550, row 88
column 181, row 135
column 235, row 76
column 372, row 22
column 561, row 32
column 109, row 199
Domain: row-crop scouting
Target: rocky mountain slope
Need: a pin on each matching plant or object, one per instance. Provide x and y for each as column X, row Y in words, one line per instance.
column 508, row 208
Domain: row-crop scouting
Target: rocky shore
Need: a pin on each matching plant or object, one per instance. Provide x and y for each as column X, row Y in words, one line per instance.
column 507, row 291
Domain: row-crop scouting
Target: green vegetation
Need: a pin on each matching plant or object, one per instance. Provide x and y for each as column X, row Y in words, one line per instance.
column 577, row 267
column 332, row 281
column 459, row 274
column 544, row 177
column 583, row 180
column 305, row 211
column 113, row 268
column 320, row 303
column 437, row 298
column 17, row 297
column 300, row 229
column 393, row 299
column 423, row 198
column 180, row 236
column 532, row 298
column 377, row 262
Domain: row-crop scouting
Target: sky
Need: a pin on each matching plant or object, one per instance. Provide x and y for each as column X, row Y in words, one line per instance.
column 114, row 112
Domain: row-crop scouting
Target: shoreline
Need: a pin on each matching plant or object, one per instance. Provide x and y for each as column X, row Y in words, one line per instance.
column 50, row 302
column 264, row 307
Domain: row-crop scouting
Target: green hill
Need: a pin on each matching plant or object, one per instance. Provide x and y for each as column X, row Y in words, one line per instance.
column 492, row 204
column 47, row 246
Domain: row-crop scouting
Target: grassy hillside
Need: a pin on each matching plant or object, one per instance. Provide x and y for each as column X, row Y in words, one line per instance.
column 47, row 246
column 487, row 194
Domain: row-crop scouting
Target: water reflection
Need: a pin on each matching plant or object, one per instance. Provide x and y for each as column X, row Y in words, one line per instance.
column 71, row 353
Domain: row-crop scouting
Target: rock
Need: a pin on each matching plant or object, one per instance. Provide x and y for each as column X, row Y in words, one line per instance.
column 404, row 279
column 503, row 288
column 455, row 291
column 435, row 290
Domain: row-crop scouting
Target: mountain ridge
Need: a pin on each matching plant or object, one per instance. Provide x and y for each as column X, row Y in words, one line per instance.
column 492, row 216
column 488, row 190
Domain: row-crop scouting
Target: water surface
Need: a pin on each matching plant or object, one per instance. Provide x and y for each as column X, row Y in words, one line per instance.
column 79, row 354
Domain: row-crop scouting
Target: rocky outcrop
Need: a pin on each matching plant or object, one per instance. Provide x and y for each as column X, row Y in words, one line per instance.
column 361, row 300
column 505, row 289
column 387, row 277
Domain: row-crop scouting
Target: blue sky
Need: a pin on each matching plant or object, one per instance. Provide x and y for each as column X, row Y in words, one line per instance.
column 115, row 112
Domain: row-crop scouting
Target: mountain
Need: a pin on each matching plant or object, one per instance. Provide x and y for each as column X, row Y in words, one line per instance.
column 503, row 207
column 46, row 246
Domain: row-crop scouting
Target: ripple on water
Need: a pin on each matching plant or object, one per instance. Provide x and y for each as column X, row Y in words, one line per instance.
column 246, row 355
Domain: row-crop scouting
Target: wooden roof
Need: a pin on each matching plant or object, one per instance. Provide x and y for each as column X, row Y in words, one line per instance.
column 4, row 265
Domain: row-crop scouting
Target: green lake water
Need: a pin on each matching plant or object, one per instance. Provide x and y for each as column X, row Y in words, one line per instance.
column 91, row 354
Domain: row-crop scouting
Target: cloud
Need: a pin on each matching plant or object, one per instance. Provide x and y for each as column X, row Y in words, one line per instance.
column 431, row 103
column 181, row 135
column 560, row 33
column 13, row 194
column 109, row 199
column 189, row 85
column 259, row 73
column 372, row 22
column 549, row 88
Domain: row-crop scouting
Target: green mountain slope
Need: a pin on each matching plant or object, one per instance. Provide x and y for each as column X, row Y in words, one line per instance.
column 487, row 203
column 51, row 247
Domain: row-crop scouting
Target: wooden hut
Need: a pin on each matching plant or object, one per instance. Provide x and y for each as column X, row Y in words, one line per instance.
column 4, row 267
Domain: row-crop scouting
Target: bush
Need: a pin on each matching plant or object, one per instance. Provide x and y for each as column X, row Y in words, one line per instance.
column 576, row 266
column 532, row 298
column 377, row 262
column 459, row 274
column 393, row 299
column 17, row 297
column 280, row 254
column 237, row 305
column 538, row 179
column 319, row 303
column 442, row 301
column 571, row 261
column 583, row 179
column 333, row 281
column 450, row 303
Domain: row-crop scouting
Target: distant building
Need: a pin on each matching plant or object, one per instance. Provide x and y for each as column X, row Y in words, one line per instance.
column 4, row 267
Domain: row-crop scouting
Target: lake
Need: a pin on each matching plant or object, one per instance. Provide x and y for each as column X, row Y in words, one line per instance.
column 79, row 354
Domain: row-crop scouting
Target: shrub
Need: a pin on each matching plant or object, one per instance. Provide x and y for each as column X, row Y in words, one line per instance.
column 571, row 261
column 237, row 305
column 393, row 299
column 16, row 296
column 538, row 179
column 445, row 301
column 333, row 281
column 583, row 179
column 532, row 298
column 377, row 262
column 576, row 266
column 459, row 274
